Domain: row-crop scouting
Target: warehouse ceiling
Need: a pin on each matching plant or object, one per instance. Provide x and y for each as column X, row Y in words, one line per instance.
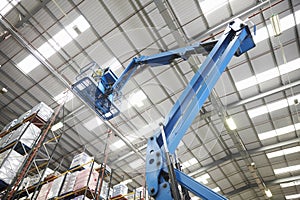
column 259, row 90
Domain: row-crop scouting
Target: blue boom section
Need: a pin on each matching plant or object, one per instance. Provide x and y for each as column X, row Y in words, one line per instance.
column 236, row 40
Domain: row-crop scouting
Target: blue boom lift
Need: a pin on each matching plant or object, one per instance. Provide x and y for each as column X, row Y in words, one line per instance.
column 101, row 88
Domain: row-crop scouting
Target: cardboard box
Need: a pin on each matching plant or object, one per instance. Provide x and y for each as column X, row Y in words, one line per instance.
column 120, row 189
column 56, row 186
column 69, row 183
column 81, row 159
column 43, row 111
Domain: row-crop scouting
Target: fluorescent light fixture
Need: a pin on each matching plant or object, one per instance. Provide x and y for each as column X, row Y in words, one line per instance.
column 287, row 169
column 203, row 178
column 283, row 103
column 59, row 40
column 230, row 123
column 290, row 184
column 283, row 152
column 189, row 163
column 217, row 189
column 137, row 98
column 93, row 123
column 57, row 126
column 268, row 193
column 280, row 131
column 64, row 97
column 293, row 196
column 275, row 24
column 7, row 5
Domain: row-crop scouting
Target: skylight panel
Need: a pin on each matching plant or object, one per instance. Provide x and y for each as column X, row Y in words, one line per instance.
column 136, row 163
column 277, row 105
column 293, row 196
column 284, row 152
column 59, row 40
column 46, row 50
column 113, row 64
column 287, row 169
column 137, row 98
column 64, row 96
column 189, row 163
column 209, row 7
column 203, row 178
column 93, row 123
column 290, row 184
column 28, row 64
column 217, row 189
column 279, row 131
column 7, row 5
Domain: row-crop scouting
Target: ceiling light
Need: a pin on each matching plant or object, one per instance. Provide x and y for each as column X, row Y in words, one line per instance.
column 3, row 90
column 287, row 169
column 293, row 196
column 57, row 126
column 290, row 184
column 268, row 193
column 275, row 24
column 230, row 123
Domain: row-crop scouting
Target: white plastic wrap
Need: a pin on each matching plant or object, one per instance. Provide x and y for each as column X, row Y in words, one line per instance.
column 57, row 184
column 81, row 159
column 5, row 140
column 81, row 197
column 9, row 125
column 120, row 189
column 44, row 192
column 29, row 133
column 23, row 116
column 10, row 162
column 69, row 183
column 44, row 111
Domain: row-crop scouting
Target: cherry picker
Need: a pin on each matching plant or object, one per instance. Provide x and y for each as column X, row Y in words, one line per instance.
column 100, row 88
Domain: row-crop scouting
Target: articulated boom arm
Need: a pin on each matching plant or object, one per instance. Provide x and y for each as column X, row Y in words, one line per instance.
column 236, row 39
column 100, row 88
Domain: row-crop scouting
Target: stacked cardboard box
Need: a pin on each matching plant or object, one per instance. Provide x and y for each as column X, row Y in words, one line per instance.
column 120, row 189
column 56, row 186
column 43, row 195
column 10, row 163
column 83, row 180
column 81, row 159
column 69, row 183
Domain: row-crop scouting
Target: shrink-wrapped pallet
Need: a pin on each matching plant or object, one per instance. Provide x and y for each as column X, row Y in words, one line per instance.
column 56, row 186
column 83, row 180
column 43, row 111
column 44, row 192
column 26, row 134
column 10, row 163
column 9, row 125
column 120, row 189
column 69, row 183
column 81, row 159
